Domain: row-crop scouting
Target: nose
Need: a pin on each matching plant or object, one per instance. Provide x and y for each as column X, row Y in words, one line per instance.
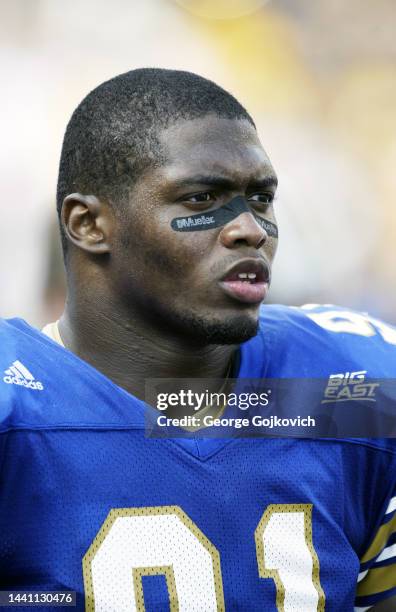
column 244, row 229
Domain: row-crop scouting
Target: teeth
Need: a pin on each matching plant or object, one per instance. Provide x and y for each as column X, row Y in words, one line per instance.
column 247, row 276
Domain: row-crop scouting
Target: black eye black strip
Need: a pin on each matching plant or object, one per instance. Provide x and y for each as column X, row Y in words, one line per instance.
column 221, row 216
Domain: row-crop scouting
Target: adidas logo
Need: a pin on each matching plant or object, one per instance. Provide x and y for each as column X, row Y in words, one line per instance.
column 18, row 374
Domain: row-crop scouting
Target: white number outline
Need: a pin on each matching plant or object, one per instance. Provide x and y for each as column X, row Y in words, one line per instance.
column 353, row 323
column 259, row 536
column 167, row 571
column 137, row 573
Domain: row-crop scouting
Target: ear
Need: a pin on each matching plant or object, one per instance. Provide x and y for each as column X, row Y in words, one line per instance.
column 87, row 222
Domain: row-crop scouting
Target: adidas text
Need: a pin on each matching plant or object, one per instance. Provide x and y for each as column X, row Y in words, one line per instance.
column 30, row 384
column 18, row 374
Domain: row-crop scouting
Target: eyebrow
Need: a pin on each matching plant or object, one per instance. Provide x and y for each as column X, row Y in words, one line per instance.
column 226, row 183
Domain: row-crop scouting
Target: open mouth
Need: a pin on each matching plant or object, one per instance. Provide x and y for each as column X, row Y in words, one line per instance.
column 247, row 281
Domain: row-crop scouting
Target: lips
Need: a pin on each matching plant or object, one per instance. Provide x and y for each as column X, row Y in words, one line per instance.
column 248, row 266
column 247, row 281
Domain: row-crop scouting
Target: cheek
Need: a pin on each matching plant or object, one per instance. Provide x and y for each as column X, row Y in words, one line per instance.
column 164, row 259
column 158, row 252
column 176, row 256
column 270, row 248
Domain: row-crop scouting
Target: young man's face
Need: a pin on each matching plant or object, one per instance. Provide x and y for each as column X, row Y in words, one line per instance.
column 189, row 282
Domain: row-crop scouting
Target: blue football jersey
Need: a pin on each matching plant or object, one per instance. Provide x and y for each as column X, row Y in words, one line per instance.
column 89, row 504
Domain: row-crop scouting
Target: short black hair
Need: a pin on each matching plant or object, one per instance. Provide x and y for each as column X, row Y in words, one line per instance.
column 112, row 135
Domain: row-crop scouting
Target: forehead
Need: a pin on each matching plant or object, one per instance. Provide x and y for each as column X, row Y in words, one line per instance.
column 213, row 144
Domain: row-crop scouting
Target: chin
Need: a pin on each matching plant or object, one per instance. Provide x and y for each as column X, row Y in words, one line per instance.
column 226, row 335
column 230, row 329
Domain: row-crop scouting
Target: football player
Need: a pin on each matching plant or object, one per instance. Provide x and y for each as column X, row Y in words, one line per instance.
column 165, row 199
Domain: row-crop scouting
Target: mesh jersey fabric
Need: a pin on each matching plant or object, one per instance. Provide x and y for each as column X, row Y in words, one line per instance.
column 89, row 504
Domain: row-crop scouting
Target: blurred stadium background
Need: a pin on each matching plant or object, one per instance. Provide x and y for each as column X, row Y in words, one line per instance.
column 318, row 77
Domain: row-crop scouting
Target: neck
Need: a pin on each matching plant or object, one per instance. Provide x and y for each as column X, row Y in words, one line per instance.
column 129, row 350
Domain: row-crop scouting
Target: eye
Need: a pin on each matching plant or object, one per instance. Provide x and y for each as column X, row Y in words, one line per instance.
column 198, row 198
column 267, row 198
column 198, row 201
column 262, row 201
